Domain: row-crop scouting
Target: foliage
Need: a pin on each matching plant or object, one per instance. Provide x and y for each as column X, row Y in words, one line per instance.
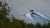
column 4, row 10
column 37, row 25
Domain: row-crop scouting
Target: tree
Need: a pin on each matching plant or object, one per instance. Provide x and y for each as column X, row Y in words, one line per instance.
column 4, row 10
column 30, row 25
column 44, row 25
column 37, row 25
column 48, row 25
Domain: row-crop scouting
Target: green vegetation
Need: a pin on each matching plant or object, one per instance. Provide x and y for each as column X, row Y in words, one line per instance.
column 6, row 23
